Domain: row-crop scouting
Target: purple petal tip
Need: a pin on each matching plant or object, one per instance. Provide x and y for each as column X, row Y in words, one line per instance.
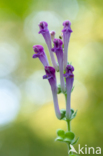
column 45, row 77
column 67, row 27
column 38, row 48
column 57, row 44
column 35, row 56
column 43, row 27
column 67, row 23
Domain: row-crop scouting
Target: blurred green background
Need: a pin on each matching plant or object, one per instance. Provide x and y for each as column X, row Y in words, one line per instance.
column 27, row 120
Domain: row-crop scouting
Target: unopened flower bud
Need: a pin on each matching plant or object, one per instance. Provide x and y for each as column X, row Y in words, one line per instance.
column 52, row 33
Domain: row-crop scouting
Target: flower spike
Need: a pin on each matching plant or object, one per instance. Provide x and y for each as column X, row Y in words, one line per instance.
column 69, row 85
column 39, row 53
column 50, row 75
column 66, row 37
column 60, row 48
column 59, row 53
column 46, row 34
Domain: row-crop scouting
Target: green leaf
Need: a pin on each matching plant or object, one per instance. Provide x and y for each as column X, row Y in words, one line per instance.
column 67, row 140
column 64, row 71
column 60, row 133
column 59, row 139
column 68, row 63
column 74, row 142
column 72, row 111
column 73, row 115
column 60, row 37
column 63, row 114
column 73, row 155
column 59, row 89
column 73, row 88
column 70, row 135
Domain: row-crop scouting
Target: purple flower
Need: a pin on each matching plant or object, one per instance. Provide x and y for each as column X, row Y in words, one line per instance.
column 39, row 52
column 59, row 53
column 52, row 33
column 46, row 34
column 66, row 37
column 50, row 75
column 69, row 84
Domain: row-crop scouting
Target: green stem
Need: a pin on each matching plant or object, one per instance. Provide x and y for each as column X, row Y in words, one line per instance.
column 69, row 129
column 68, row 125
column 65, row 97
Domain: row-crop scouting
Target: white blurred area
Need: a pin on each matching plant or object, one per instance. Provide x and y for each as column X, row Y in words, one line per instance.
column 88, row 54
column 9, row 101
column 79, row 95
column 9, row 92
column 70, row 9
column 9, row 58
column 37, row 90
column 31, row 28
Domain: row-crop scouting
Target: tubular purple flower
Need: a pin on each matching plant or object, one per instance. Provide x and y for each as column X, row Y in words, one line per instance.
column 50, row 75
column 69, row 84
column 39, row 53
column 66, row 37
column 46, row 34
column 52, row 33
column 59, row 53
